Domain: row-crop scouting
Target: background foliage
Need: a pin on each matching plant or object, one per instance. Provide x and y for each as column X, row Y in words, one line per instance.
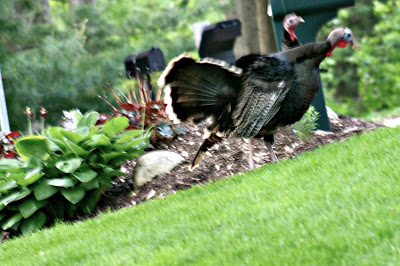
column 65, row 64
column 63, row 61
column 365, row 80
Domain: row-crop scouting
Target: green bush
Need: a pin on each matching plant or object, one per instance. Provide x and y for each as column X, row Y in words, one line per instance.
column 379, row 61
column 307, row 124
column 63, row 173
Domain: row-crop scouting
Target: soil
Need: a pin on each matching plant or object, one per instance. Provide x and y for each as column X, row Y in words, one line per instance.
column 223, row 160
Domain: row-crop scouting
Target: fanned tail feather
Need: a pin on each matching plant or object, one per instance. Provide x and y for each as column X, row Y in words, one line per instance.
column 197, row 90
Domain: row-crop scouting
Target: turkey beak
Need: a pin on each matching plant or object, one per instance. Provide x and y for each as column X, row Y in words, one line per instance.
column 301, row 20
column 354, row 44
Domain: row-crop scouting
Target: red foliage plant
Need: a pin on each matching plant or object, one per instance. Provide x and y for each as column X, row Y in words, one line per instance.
column 7, row 145
column 143, row 108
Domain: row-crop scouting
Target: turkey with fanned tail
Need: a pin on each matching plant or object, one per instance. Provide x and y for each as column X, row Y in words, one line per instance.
column 252, row 99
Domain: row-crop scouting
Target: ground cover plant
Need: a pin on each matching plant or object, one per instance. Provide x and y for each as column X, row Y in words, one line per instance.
column 63, row 173
column 335, row 205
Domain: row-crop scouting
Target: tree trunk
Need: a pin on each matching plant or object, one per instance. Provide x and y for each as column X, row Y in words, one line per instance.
column 46, row 12
column 258, row 35
column 266, row 31
column 74, row 3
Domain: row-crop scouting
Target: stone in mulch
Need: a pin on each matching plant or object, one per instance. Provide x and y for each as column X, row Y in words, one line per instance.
column 154, row 163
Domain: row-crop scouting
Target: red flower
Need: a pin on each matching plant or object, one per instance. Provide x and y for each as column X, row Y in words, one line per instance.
column 13, row 134
column 28, row 113
column 10, row 154
column 43, row 112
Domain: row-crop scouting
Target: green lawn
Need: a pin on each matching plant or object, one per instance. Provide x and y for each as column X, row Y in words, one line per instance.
column 339, row 204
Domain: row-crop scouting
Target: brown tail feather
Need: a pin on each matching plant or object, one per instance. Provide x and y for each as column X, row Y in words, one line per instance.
column 207, row 144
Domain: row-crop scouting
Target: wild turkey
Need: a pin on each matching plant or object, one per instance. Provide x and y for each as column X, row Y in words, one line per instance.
column 252, row 99
column 289, row 39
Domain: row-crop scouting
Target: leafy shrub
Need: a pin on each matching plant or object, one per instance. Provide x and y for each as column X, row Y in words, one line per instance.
column 63, row 173
column 307, row 124
column 143, row 107
column 379, row 60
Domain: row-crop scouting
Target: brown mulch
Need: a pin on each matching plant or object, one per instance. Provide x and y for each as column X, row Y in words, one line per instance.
column 223, row 160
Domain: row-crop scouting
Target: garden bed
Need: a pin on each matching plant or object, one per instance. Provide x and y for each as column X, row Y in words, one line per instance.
column 227, row 158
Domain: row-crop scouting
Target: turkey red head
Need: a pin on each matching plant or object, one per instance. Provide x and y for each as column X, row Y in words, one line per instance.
column 290, row 22
column 341, row 37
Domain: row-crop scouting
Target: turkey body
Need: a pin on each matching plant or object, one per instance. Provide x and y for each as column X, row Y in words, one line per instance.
column 251, row 99
column 278, row 89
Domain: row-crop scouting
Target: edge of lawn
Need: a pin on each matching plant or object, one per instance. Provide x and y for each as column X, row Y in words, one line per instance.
column 336, row 204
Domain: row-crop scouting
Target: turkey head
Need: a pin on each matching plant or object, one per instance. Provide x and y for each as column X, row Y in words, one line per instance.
column 290, row 22
column 341, row 37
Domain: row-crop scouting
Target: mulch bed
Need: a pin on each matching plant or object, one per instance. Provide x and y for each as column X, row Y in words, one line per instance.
column 223, row 160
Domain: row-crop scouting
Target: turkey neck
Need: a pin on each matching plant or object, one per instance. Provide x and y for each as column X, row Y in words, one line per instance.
column 287, row 43
column 305, row 60
column 312, row 53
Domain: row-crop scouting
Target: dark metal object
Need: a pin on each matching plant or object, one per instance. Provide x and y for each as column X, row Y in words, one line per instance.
column 148, row 61
column 144, row 63
column 218, row 39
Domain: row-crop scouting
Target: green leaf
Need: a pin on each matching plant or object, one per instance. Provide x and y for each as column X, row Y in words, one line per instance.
column 76, row 117
column 34, row 162
column 10, row 164
column 30, row 206
column 110, row 172
column 105, row 180
column 91, row 185
column 139, row 144
column 115, row 125
column 2, row 215
column 6, row 186
column 15, row 176
column 31, row 177
column 36, row 146
column 72, row 136
column 62, row 182
column 23, row 193
column 129, row 135
column 76, row 149
column 69, row 166
column 85, row 176
column 15, row 196
column 88, row 120
column 55, row 133
column 43, row 190
column 89, row 203
column 119, row 156
column 74, row 195
column 34, row 223
column 7, row 199
column 83, row 131
column 99, row 140
column 10, row 222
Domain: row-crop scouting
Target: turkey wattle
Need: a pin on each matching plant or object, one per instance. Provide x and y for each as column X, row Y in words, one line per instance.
column 252, row 99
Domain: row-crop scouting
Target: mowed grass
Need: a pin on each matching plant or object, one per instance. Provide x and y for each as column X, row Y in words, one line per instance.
column 339, row 204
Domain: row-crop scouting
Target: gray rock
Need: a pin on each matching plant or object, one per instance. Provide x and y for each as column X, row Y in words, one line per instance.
column 154, row 163
column 331, row 114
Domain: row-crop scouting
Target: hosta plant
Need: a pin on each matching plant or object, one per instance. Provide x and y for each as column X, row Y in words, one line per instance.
column 63, row 173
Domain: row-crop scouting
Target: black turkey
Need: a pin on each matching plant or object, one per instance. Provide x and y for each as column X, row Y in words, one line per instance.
column 252, row 99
